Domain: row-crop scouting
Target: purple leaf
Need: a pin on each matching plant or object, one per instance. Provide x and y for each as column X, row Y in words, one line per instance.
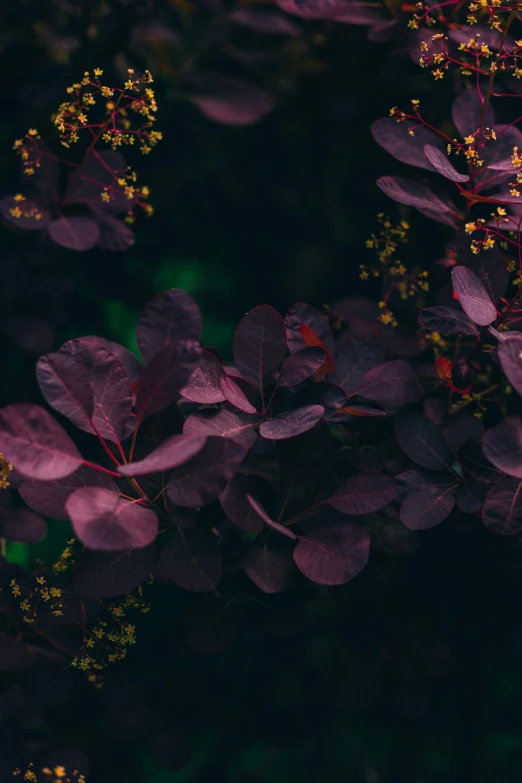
column 396, row 139
column 225, row 424
column 74, row 233
column 422, row 441
column 329, row 396
column 31, row 217
column 260, row 345
column 35, row 443
column 393, row 383
column 88, row 384
column 292, row 423
column 260, row 511
column 229, row 101
column 315, row 9
column 14, row 655
column 502, row 445
column 446, row 320
column 359, row 13
column 363, row 494
column 301, row 313
column 510, row 357
column 263, row 22
column 174, row 451
column 502, row 512
column 301, row 365
column 192, row 559
column 414, row 194
column 114, row 235
column 473, row 296
column 472, row 458
column 427, row 508
column 165, row 376
column 110, row 574
column 23, row 526
column 107, row 522
column 440, row 163
column 467, row 112
column 234, row 395
column 202, row 479
column 333, row 555
column 471, row 495
column 272, row 571
column 354, row 360
column 131, row 362
column 98, row 171
column 49, row 497
column 203, row 385
column 170, row 316
column 235, row 504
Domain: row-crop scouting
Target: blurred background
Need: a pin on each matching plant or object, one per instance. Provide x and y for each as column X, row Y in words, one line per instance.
column 277, row 211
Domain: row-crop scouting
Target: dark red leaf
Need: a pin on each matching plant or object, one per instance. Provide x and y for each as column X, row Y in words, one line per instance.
column 467, row 112
column 260, row 345
column 393, row 383
column 74, row 233
column 203, row 385
column 301, row 313
column 502, row 445
column 334, row 554
column 422, row 441
column 105, row 521
column 170, row 316
column 162, row 380
column 229, row 101
column 510, row 357
column 88, row 384
column 110, row 574
column 49, row 497
column 272, row 571
column 35, row 443
column 224, row 423
column 439, row 161
column 395, row 138
column 234, row 502
column 23, row 526
column 363, row 493
column 174, row 451
column 301, row 365
column 260, row 511
column 473, row 296
column 446, row 320
column 427, row 507
column 315, row 9
column 114, row 235
column 502, row 512
column 192, row 559
column 234, row 395
column 354, row 360
column 312, row 340
column 292, row 423
column 415, row 194
column 202, row 479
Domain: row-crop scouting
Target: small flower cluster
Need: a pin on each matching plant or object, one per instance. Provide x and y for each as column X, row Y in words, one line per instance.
column 5, row 470
column 108, row 641
column 394, row 273
column 67, row 559
column 57, row 774
column 114, row 125
column 41, row 600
